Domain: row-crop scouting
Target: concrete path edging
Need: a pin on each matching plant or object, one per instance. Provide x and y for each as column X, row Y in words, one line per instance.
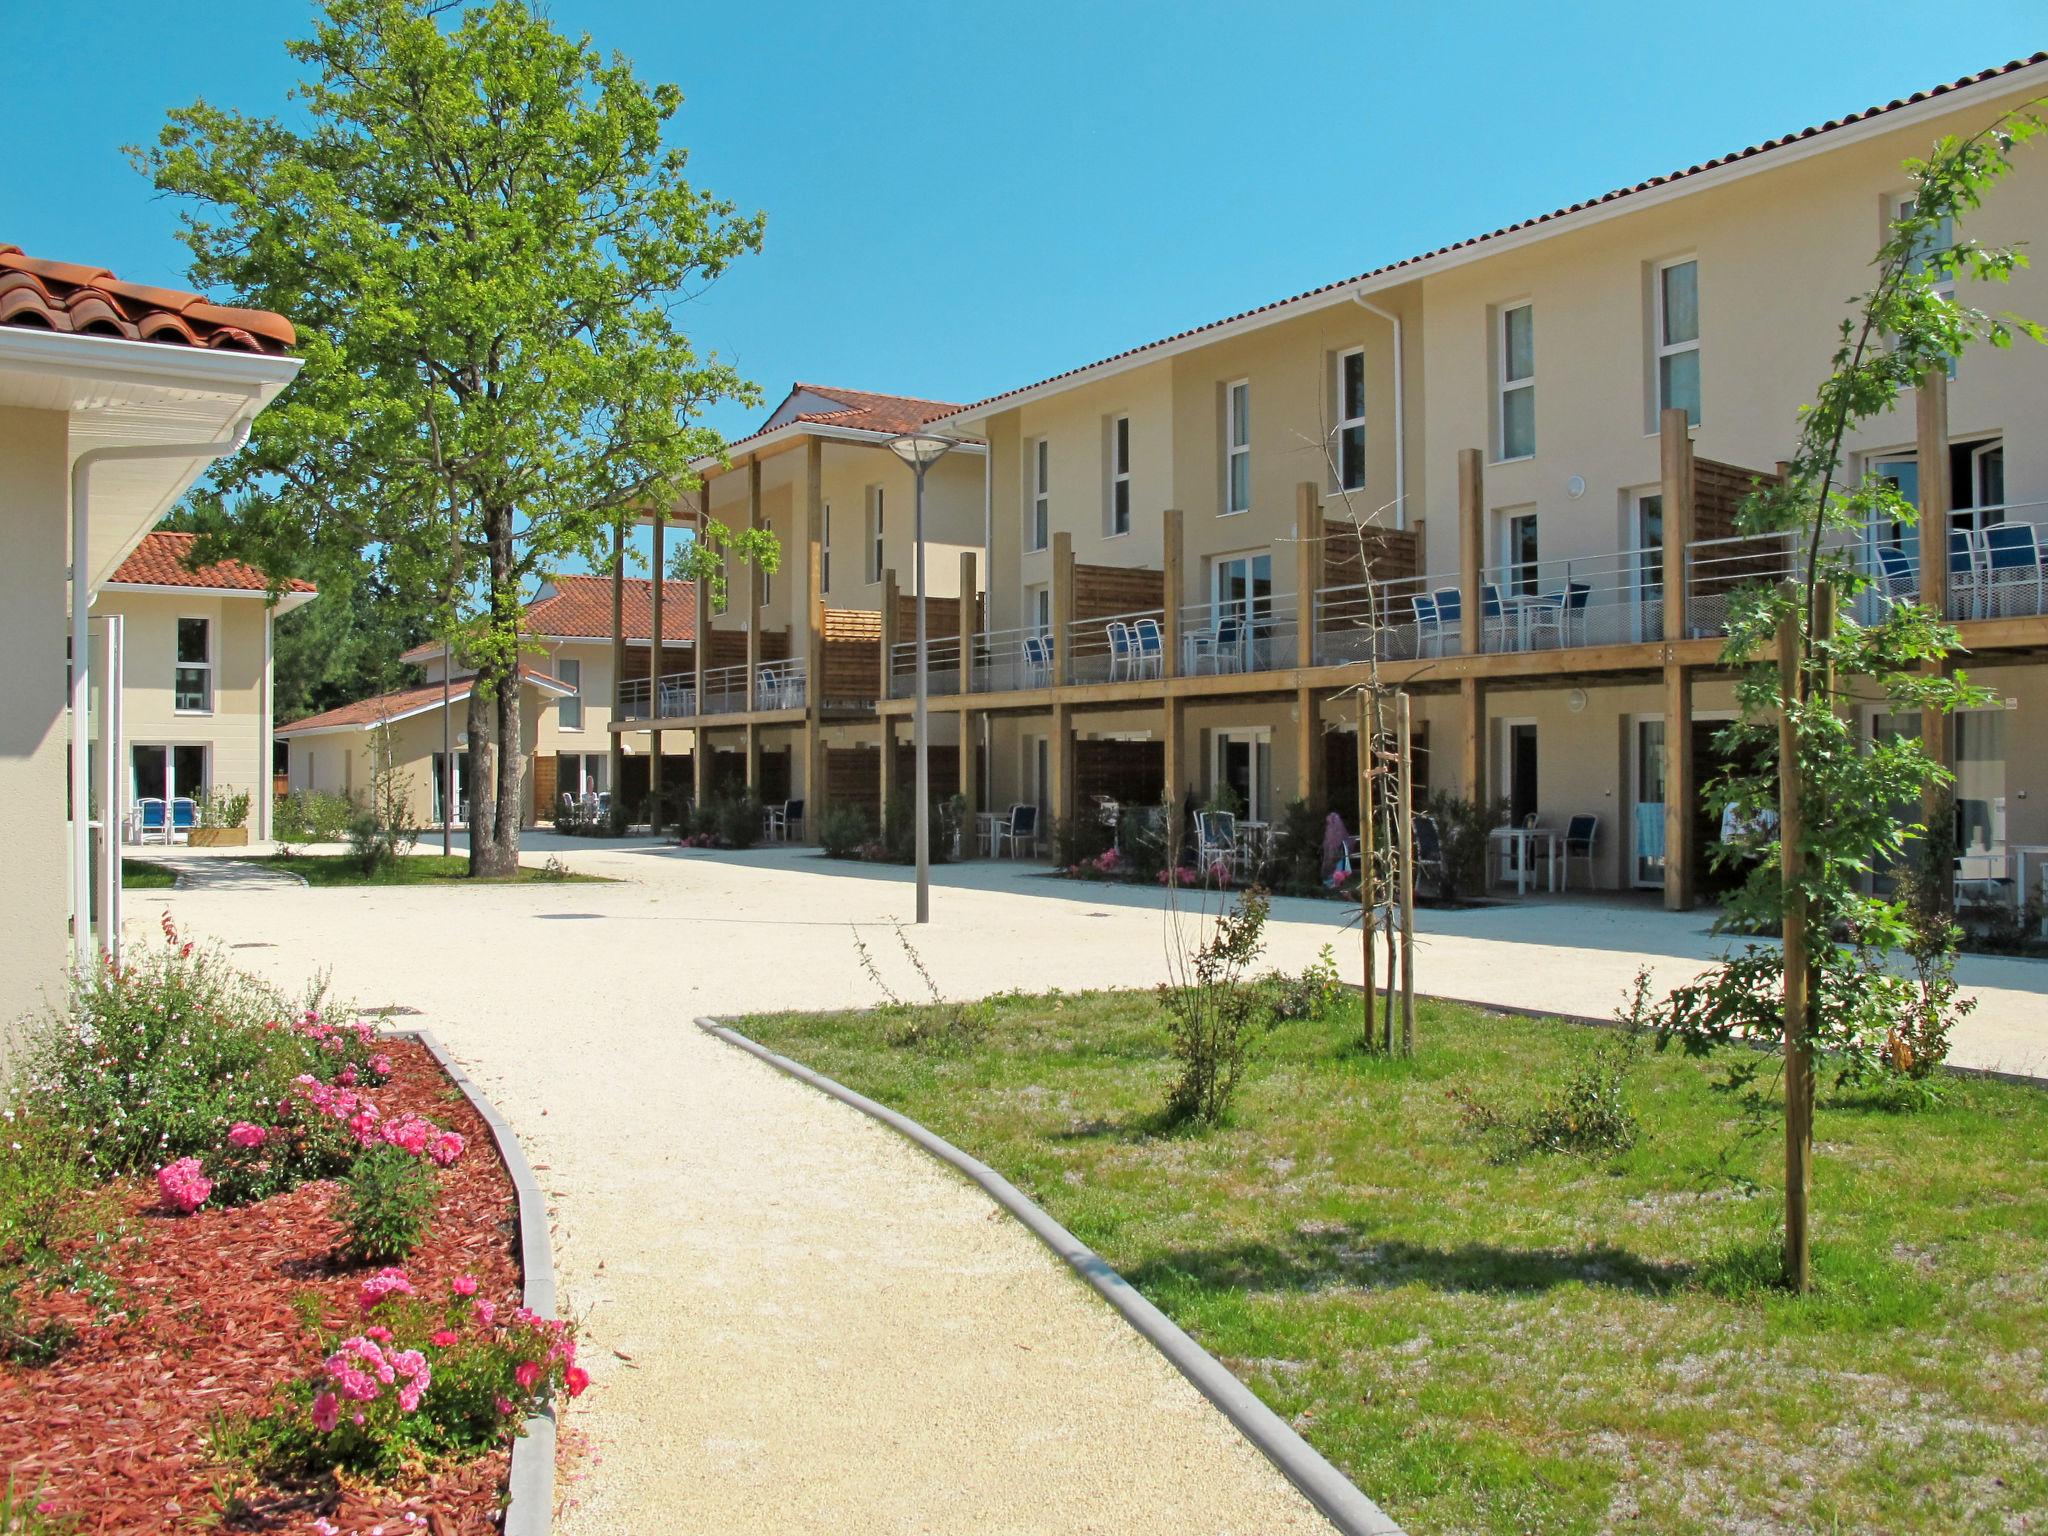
column 530, row 1485
column 1333, row 1494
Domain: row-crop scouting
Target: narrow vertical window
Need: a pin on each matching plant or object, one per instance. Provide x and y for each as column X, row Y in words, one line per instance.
column 1120, row 475
column 1522, row 554
column 875, row 537
column 1238, row 444
column 1678, row 339
column 570, row 711
column 825, row 552
column 1518, row 382
column 193, row 684
column 1041, row 493
column 1351, row 421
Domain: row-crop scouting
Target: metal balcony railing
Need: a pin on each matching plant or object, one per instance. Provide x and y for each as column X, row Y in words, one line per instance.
column 942, row 666
column 1255, row 634
column 1116, row 648
column 1391, row 620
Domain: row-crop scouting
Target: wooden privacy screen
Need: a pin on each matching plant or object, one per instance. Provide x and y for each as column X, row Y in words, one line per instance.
column 1111, row 591
column 853, row 656
column 1717, row 495
column 1395, row 554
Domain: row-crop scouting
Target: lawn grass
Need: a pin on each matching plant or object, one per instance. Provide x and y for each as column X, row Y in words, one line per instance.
column 1558, row 1344
column 142, row 875
column 413, row 869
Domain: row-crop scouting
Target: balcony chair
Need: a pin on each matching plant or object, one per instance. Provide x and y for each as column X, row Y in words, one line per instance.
column 2013, row 575
column 1968, row 581
column 1493, row 614
column 1120, row 650
column 1450, row 619
column 1428, row 628
column 1429, row 848
column 1215, row 840
column 1897, row 582
column 1037, row 662
column 1150, row 648
column 1579, row 834
column 151, row 820
column 1017, row 833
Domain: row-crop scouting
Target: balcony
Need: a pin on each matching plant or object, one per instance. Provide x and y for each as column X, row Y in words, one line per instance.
column 777, row 685
column 1396, row 619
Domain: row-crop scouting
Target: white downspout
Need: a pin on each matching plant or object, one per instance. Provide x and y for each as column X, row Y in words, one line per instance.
column 81, row 658
column 1400, row 395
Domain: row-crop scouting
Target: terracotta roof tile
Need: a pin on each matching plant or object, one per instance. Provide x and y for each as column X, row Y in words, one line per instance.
column 160, row 561
column 865, row 411
column 406, row 701
column 36, row 293
column 1530, row 223
column 581, row 607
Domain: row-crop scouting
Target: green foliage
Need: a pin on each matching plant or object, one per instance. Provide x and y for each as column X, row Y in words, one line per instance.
column 1589, row 1115
column 387, row 1204
column 58, row 1236
column 346, row 644
column 383, row 832
column 936, row 1022
column 1296, row 867
column 1212, row 1007
column 1313, row 994
column 21, row 1513
column 738, row 820
column 1224, row 800
column 312, row 816
column 1078, row 839
column 482, row 237
column 843, row 830
column 899, row 828
column 158, row 1060
column 1464, row 828
column 223, row 806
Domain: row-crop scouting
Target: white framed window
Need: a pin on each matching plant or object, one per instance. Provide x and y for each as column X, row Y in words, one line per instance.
column 877, row 510
column 1349, row 454
column 825, row 552
column 1117, row 514
column 569, row 715
column 1237, row 447
column 1038, row 497
column 767, row 587
column 192, row 682
column 1941, row 237
column 1678, row 338
column 1038, row 609
column 1243, row 759
column 1516, row 346
column 1520, row 553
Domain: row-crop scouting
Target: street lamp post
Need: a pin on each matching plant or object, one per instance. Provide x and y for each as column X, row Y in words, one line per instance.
column 921, row 450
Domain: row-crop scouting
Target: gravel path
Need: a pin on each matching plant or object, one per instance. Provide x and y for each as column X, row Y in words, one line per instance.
column 800, row 1323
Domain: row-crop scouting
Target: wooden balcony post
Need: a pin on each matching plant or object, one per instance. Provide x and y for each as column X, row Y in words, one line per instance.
column 968, row 614
column 1062, row 607
column 654, row 664
column 814, row 636
column 1675, row 472
column 1308, row 748
column 1471, row 551
column 1308, row 568
column 886, row 784
column 1170, row 535
column 1472, row 707
column 616, row 771
column 700, row 749
column 753, row 573
column 1678, row 789
column 889, row 607
column 1937, row 500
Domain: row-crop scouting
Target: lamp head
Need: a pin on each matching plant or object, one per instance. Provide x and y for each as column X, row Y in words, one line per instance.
column 920, row 449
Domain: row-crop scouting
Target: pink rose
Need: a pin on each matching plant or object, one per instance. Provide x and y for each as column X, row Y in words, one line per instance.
column 446, row 1149
column 183, row 1185
column 326, row 1412
column 445, row 1337
column 527, row 1375
column 576, row 1379
column 486, row 1311
column 243, row 1134
column 386, row 1282
column 346, row 1077
column 380, row 1066
column 463, row 1285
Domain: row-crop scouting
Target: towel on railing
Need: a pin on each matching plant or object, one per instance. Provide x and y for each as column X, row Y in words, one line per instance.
column 1650, row 830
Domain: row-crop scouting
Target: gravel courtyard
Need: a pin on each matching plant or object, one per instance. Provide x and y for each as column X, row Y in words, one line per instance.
column 796, row 1321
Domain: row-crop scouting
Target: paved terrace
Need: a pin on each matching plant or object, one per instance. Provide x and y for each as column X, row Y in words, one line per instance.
column 800, row 1323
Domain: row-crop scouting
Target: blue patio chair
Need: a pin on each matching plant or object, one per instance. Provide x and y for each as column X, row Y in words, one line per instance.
column 1966, row 578
column 184, row 817
column 1120, row 652
column 1494, row 618
column 1018, row 832
column 1579, row 834
column 1896, row 579
column 1428, row 628
column 2013, row 575
column 1450, row 619
column 1037, row 662
column 150, row 820
column 1150, row 646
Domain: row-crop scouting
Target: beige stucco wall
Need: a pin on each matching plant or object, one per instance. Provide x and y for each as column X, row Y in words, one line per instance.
column 34, row 458
column 234, row 729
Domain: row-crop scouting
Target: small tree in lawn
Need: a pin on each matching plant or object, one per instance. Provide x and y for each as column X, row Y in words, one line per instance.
column 1837, row 993
column 485, row 241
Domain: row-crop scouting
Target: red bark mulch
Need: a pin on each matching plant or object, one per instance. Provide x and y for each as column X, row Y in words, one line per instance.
column 115, row 1431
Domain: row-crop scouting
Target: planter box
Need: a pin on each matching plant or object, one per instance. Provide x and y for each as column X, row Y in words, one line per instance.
column 218, row 837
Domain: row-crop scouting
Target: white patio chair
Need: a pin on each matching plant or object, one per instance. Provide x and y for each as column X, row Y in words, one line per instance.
column 1017, row 833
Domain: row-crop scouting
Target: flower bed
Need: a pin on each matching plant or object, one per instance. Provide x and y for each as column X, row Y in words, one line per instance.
column 229, row 1364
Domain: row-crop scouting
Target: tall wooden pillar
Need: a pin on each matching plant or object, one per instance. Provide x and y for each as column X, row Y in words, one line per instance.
column 1675, row 473
column 1308, row 567
column 1175, row 751
column 1310, row 764
column 1061, row 761
column 968, row 612
column 1472, row 738
column 1679, row 841
column 887, row 789
column 617, row 772
column 654, row 666
column 1471, row 551
column 1173, row 581
column 753, row 579
column 1937, row 500
column 814, row 636
column 700, row 742
column 1062, row 608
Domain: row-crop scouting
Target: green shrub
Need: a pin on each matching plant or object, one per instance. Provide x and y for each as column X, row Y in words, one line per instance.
column 1589, row 1114
column 738, row 820
column 1076, row 840
column 1212, row 1009
column 899, row 828
column 21, row 1513
column 58, row 1236
column 1465, row 829
column 1296, row 865
column 222, row 806
column 843, row 830
column 387, row 1204
column 311, row 816
column 1315, row 992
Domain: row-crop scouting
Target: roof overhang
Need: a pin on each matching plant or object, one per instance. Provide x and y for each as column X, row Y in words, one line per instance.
column 286, row 601
column 764, row 445
column 119, row 393
column 458, row 693
column 2030, row 78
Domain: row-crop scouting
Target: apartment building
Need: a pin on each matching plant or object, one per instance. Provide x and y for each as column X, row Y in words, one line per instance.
column 782, row 693
column 1503, row 475
column 566, row 708
column 196, row 674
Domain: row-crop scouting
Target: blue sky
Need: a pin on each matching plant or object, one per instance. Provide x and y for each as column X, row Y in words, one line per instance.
column 962, row 199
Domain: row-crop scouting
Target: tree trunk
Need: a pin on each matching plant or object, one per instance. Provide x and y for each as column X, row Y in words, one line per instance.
column 497, row 676
column 483, row 775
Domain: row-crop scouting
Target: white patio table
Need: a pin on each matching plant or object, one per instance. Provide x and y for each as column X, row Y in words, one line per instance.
column 1523, row 841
